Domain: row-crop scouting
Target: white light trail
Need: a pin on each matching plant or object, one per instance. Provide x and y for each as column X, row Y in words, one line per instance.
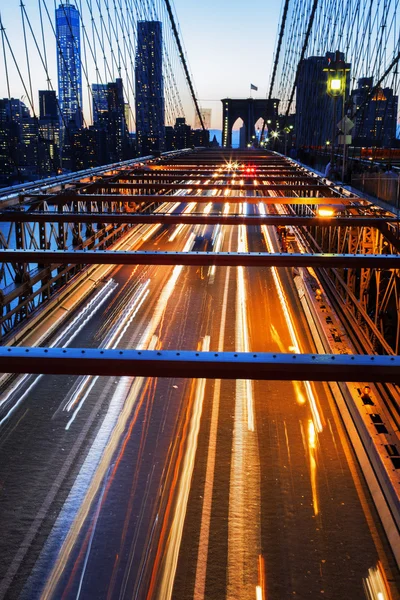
column 76, row 325
column 375, row 586
column 149, row 230
column 189, row 209
column 116, row 335
column 218, row 239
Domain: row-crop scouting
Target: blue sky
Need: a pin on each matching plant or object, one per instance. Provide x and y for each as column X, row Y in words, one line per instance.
column 229, row 44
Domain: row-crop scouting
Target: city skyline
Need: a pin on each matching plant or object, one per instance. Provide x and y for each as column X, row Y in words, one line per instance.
column 228, row 75
column 224, row 61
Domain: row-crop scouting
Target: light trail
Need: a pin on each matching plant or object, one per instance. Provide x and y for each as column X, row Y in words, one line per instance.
column 85, row 489
column 171, row 553
column 289, row 322
column 375, row 585
column 244, row 388
column 130, row 389
column 79, row 322
column 300, row 398
column 218, row 240
column 260, row 588
column 151, row 229
column 189, row 209
column 202, row 553
column 76, row 325
column 244, row 526
column 116, row 336
column 312, row 449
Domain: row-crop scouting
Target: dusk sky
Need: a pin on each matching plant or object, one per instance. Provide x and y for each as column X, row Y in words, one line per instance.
column 229, row 43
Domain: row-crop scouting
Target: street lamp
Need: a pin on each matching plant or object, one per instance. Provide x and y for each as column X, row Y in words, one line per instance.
column 286, row 131
column 336, row 87
column 275, row 136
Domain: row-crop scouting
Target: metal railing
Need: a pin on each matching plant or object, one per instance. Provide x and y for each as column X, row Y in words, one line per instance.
column 383, row 186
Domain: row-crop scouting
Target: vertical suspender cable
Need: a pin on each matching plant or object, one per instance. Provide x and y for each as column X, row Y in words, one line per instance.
column 185, row 67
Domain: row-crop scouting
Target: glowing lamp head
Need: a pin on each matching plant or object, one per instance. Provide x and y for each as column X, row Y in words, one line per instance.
column 336, row 81
column 335, row 85
column 325, row 211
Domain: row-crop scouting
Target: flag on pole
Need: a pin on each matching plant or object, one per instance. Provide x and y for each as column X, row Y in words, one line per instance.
column 253, row 87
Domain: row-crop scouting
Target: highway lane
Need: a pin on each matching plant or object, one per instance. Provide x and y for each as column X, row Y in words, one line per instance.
column 319, row 533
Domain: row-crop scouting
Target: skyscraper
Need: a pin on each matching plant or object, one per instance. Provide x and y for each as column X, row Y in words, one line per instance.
column 100, row 101
column 48, row 108
column 69, row 65
column 375, row 116
column 149, row 88
column 117, row 127
column 49, row 130
column 314, row 108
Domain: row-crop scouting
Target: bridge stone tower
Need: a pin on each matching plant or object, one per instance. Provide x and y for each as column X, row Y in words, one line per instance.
column 249, row 110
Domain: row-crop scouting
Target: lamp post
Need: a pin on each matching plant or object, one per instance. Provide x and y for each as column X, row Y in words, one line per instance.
column 287, row 130
column 336, row 87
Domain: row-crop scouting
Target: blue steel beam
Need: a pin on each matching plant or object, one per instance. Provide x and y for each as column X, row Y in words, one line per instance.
column 192, row 364
column 220, row 259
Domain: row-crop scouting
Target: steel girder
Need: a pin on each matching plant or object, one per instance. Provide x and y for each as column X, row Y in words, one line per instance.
column 298, row 187
column 222, row 259
column 190, row 219
column 138, row 199
column 221, row 176
column 225, row 179
column 208, row 365
column 371, row 294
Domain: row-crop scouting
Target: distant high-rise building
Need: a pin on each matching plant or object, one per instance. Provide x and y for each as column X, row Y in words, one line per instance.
column 375, row 116
column 69, row 64
column 49, row 130
column 117, row 127
column 182, row 134
column 19, row 141
column 206, row 116
column 200, row 138
column 128, row 120
column 48, row 108
column 149, row 98
column 314, row 108
column 100, row 101
column 12, row 113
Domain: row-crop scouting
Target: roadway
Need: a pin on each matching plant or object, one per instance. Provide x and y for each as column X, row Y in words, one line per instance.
column 180, row 489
